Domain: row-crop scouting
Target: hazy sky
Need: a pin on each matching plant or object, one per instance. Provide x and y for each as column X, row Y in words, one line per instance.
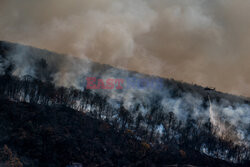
column 198, row 41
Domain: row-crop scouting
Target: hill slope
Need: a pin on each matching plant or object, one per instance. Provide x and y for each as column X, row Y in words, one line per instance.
column 183, row 116
column 56, row 136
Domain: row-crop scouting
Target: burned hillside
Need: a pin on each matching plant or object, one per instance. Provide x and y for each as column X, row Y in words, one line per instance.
column 202, row 123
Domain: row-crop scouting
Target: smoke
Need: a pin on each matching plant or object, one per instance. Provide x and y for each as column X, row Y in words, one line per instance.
column 230, row 123
column 198, row 41
column 229, row 118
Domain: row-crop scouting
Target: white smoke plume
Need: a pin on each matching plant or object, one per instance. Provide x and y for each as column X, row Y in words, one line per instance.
column 231, row 123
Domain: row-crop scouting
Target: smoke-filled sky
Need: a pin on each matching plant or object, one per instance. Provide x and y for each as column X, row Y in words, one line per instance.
column 198, row 41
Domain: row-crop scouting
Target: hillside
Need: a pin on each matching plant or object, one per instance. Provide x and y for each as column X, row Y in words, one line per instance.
column 55, row 136
column 179, row 123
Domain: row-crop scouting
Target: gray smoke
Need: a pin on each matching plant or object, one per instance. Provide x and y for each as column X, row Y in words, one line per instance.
column 198, row 41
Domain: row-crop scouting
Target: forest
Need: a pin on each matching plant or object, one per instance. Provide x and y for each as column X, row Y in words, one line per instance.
column 155, row 126
column 148, row 117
